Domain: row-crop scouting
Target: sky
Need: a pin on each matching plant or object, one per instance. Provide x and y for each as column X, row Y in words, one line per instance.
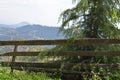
column 44, row 12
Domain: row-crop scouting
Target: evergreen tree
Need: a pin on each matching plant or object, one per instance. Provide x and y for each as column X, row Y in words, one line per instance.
column 92, row 19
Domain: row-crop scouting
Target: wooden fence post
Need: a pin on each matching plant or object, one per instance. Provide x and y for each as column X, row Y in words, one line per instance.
column 14, row 57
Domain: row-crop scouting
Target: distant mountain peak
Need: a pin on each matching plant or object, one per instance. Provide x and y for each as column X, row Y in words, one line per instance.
column 23, row 23
column 19, row 24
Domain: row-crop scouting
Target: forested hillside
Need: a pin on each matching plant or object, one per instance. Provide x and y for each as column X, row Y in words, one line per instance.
column 29, row 31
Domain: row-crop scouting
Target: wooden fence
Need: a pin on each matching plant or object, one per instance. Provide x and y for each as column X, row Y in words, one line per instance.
column 55, row 67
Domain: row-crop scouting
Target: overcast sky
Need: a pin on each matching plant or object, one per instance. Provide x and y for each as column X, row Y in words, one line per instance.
column 44, row 12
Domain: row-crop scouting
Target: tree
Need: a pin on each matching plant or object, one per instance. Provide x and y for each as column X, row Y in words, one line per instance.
column 92, row 19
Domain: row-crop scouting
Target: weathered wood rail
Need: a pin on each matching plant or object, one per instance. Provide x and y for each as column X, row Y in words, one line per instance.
column 85, row 41
column 66, row 53
column 52, row 67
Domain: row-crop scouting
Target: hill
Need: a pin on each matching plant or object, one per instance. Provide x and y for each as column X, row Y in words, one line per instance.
column 28, row 31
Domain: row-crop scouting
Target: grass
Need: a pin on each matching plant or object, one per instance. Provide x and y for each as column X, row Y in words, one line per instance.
column 5, row 74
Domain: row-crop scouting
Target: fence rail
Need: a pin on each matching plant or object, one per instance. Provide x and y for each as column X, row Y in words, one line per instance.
column 61, row 42
column 58, row 65
column 20, row 54
column 65, row 53
column 46, row 66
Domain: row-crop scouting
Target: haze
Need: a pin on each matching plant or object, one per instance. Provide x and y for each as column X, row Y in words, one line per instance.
column 44, row 12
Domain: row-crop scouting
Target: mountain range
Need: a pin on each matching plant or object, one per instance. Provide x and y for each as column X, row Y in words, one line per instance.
column 26, row 31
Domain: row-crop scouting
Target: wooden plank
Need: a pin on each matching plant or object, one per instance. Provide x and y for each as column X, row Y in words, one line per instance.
column 20, row 54
column 31, row 64
column 88, row 53
column 66, row 53
column 14, row 57
column 15, row 50
column 52, row 70
column 61, row 42
column 59, row 65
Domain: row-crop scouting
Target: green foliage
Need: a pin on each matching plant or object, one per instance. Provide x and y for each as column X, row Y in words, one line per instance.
column 49, row 54
column 92, row 18
column 21, row 75
column 102, row 74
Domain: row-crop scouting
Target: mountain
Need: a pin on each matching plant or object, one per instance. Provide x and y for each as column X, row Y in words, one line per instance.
column 3, row 25
column 27, row 31
column 14, row 25
column 19, row 25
